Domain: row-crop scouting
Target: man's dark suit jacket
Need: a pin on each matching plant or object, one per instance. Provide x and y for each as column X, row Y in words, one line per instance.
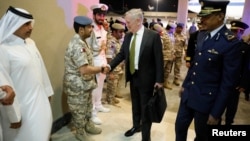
column 245, row 73
column 150, row 67
column 192, row 43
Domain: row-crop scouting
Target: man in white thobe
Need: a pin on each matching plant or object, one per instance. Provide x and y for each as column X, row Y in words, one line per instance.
column 23, row 67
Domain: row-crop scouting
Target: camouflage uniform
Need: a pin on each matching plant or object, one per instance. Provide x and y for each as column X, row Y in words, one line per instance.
column 113, row 47
column 78, row 87
column 109, row 35
column 168, row 55
column 180, row 46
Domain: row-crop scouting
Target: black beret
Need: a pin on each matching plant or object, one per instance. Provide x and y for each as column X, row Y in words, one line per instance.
column 238, row 25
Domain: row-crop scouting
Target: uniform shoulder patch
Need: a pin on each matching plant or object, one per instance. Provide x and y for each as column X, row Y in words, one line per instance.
column 83, row 50
column 229, row 36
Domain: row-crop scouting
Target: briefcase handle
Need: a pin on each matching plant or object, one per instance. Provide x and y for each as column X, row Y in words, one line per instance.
column 156, row 89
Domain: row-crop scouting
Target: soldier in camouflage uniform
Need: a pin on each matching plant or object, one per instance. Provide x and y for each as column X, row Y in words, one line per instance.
column 180, row 46
column 167, row 48
column 168, row 54
column 79, row 79
column 121, row 21
column 113, row 47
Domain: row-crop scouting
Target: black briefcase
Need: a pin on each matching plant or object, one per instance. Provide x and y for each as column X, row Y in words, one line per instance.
column 156, row 106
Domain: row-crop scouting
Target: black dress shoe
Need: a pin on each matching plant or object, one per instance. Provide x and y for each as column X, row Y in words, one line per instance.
column 132, row 131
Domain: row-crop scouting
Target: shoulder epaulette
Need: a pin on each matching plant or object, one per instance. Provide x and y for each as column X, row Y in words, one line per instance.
column 229, row 36
column 188, row 58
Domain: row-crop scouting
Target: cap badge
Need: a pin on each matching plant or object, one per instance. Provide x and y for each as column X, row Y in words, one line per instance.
column 103, row 8
column 202, row 3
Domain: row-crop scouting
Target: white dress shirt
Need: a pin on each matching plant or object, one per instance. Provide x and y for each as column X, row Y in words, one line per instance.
column 139, row 35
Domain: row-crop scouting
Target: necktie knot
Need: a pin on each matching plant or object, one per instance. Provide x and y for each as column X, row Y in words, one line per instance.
column 208, row 36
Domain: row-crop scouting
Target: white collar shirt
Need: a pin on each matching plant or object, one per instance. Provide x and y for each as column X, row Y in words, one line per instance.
column 139, row 35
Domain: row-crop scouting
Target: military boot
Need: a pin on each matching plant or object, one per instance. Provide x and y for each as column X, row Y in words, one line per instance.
column 176, row 82
column 83, row 137
column 92, row 129
column 167, row 85
column 118, row 96
column 114, row 101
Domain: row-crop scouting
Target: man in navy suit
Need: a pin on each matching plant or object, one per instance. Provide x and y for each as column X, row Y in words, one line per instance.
column 212, row 76
column 238, row 28
column 144, row 70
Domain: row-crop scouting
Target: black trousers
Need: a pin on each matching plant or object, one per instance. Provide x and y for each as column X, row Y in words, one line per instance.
column 184, row 118
column 139, row 98
column 232, row 106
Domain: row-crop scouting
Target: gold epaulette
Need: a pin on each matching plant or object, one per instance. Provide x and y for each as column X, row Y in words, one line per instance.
column 188, row 58
column 229, row 36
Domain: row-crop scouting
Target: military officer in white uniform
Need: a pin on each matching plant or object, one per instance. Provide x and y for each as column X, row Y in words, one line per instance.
column 97, row 41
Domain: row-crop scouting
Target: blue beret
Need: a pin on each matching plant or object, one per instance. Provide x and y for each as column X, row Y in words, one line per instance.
column 211, row 6
column 83, row 20
column 171, row 25
column 180, row 25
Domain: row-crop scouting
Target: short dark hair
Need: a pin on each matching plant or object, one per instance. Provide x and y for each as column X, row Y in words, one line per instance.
column 77, row 26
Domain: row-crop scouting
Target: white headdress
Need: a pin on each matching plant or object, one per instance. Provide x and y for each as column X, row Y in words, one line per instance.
column 13, row 19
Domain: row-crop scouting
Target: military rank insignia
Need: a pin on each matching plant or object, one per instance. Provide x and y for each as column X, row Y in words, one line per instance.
column 83, row 50
column 229, row 36
column 103, row 8
column 213, row 51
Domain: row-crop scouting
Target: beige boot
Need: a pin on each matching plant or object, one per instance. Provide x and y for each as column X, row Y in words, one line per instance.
column 113, row 102
column 167, row 85
column 84, row 137
column 118, row 96
column 176, row 82
column 92, row 129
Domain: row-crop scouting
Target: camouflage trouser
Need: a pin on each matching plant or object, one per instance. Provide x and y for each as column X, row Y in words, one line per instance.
column 112, row 87
column 177, row 67
column 81, row 108
column 167, row 69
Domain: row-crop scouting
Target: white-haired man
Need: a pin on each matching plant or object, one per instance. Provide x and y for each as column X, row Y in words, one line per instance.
column 142, row 52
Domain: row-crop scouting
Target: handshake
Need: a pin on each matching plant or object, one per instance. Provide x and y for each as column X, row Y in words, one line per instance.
column 105, row 69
